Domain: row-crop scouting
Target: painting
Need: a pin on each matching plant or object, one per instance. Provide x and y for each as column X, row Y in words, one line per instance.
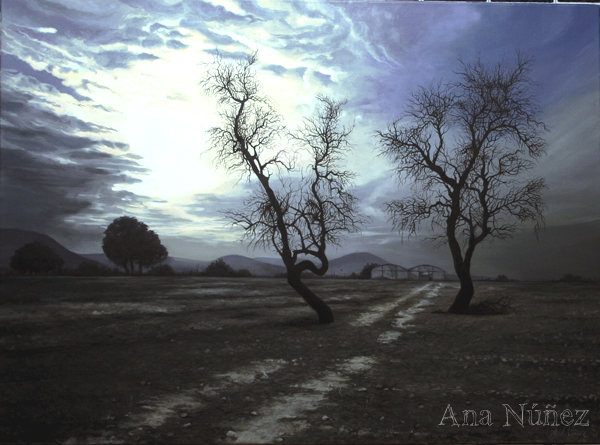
column 292, row 221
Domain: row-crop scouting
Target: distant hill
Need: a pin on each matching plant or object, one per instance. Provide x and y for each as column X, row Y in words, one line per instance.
column 186, row 265
column 99, row 258
column 12, row 239
column 342, row 266
column 353, row 263
column 178, row 264
column 258, row 268
column 273, row 261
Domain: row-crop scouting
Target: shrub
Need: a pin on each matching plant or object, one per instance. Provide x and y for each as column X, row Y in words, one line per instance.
column 497, row 306
column 365, row 273
column 219, row 268
column 571, row 278
column 35, row 258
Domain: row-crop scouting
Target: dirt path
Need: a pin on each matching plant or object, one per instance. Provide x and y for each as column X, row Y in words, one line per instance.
column 277, row 419
column 268, row 427
column 182, row 361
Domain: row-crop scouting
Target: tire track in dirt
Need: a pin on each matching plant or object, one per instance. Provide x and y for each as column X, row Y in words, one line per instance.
column 277, row 417
column 378, row 312
column 159, row 409
column 407, row 315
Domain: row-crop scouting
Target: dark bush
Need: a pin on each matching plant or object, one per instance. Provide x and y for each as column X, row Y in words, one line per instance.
column 502, row 278
column 35, row 258
column 219, row 268
column 497, row 306
column 571, row 278
column 365, row 273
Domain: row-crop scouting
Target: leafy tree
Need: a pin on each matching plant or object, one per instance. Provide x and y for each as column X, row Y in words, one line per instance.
column 297, row 211
column 465, row 146
column 35, row 258
column 128, row 243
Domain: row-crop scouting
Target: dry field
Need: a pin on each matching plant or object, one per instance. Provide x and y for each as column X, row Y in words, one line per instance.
column 198, row 360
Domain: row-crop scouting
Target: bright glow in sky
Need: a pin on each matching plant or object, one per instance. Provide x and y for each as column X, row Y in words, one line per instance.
column 102, row 102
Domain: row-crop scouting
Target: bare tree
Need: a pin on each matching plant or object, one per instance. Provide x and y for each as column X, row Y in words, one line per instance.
column 465, row 147
column 296, row 211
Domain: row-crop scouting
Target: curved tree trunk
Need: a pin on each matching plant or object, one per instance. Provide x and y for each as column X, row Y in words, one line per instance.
column 464, row 295
column 319, row 306
column 462, row 267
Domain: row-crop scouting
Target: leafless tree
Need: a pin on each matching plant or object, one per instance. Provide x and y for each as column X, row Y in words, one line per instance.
column 466, row 146
column 296, row 211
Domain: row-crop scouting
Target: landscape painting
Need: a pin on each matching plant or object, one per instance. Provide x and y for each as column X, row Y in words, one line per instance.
column 292, row 221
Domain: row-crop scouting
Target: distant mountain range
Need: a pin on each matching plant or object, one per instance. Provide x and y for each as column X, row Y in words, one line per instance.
column 353, row 263
column 255, row 266
column 262, row 266
column 345, row 265
column 12, row 239
column 178, row 264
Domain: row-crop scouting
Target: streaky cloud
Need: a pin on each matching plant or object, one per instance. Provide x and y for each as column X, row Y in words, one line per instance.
column 15, row 64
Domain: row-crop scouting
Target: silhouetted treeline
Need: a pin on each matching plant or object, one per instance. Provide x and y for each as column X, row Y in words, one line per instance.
column 571, row 278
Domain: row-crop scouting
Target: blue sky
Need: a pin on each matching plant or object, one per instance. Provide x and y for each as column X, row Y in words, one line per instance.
column 102, row 113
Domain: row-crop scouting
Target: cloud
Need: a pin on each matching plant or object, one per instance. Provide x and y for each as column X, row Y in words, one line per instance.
column 55, row 166
column 14, row 64
column 325, row 79
column 120, row 59
column 209, row 205
column 176, row 44
column 277, row 69
column 152, row 42
column 85, row 30
column 58, row 55
column 235, row 55
column 29, row 115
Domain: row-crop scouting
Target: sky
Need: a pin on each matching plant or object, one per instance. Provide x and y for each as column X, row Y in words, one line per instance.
column 103, row 114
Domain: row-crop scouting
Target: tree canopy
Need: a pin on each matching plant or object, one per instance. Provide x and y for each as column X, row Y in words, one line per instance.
column 465, row 147
column 35, row 258
column 129, row 243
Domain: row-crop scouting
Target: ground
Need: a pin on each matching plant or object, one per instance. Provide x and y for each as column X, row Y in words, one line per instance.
column 180, row 360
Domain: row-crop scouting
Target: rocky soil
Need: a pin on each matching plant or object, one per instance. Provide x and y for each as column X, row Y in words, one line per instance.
column 189, row 360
